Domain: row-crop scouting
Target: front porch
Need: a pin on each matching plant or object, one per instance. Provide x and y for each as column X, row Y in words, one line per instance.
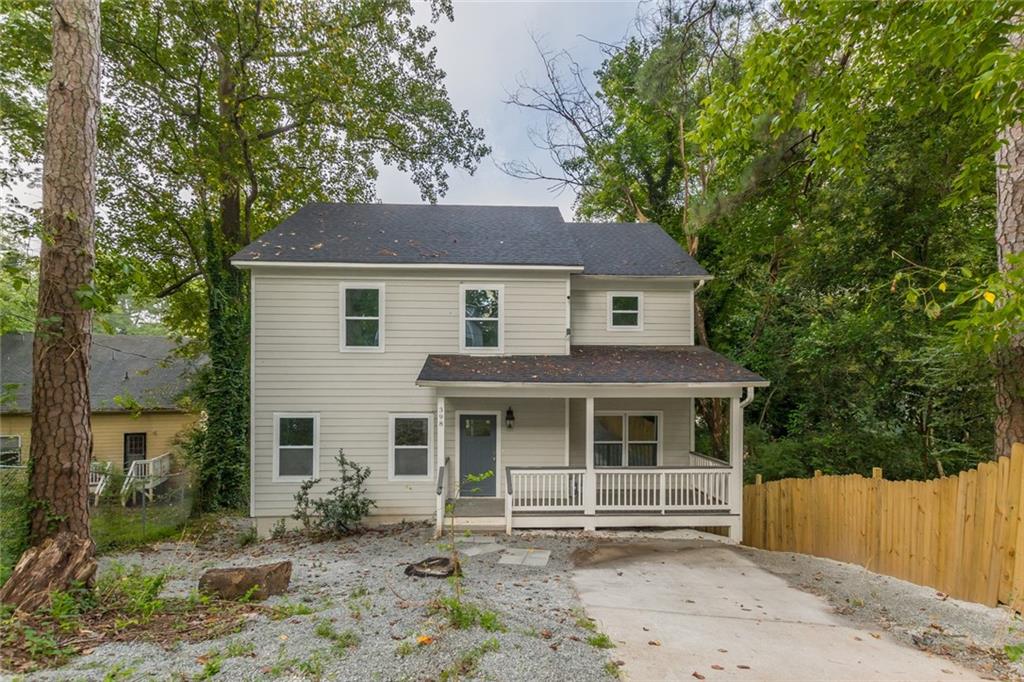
column 597, row 440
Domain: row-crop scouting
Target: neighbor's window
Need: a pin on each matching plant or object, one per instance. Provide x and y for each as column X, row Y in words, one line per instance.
column 297, row 443
column 481, row 317
column 625, row 311
column 410, row 446
column 362, row 316
column 626, row 439
column 10, row 450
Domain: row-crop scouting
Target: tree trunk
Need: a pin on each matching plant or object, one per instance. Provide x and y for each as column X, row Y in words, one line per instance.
column 61, row 434
column 1009, row 361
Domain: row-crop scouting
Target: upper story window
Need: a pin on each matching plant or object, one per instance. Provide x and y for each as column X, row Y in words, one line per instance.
column 482, row 322
column 630, row 439
column 296, row 444
column 625, row 311
column 362, row 316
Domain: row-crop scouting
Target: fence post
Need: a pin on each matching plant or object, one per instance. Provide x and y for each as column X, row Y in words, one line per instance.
column 875, row 527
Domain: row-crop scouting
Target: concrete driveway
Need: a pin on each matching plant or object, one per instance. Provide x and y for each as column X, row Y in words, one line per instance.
column 701, row 610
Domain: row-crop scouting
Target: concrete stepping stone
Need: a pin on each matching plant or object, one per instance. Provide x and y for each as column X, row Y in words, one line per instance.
column 478, row 549
column 519, row 556
column 481, row 539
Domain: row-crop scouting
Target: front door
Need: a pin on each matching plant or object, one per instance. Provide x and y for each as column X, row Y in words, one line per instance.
column 134, row 448
column 478, row 454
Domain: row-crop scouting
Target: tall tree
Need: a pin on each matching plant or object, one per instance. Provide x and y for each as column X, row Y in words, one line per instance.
column 61, row 434
column 828, row 71
column 223, row 117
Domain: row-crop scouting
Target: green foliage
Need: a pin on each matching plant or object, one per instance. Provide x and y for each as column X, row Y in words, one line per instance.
column 340, row 509
column 14, row 520
column 601, row 641
column 289, row 609
column 131, row 591
column 342, row 641
column 463, row 615
column 466, row 664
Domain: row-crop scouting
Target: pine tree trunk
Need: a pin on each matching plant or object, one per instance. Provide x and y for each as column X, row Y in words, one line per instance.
column 61, row 434
column 1009, row 362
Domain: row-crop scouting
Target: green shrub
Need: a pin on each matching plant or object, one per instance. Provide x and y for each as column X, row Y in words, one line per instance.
column 131, row 591
column 342, row 508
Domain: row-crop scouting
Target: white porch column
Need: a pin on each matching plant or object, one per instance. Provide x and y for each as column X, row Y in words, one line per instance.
column 442, row 487
column 736, row 464
column 589, row 478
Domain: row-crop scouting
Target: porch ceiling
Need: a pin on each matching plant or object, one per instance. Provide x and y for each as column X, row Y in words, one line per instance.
column 690, row 366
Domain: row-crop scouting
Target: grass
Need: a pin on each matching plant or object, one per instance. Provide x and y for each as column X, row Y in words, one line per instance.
column 613, row 670
column 601, row 641
column 463, row 615
column 341, row 641
column 289, row 609
column 466, row 664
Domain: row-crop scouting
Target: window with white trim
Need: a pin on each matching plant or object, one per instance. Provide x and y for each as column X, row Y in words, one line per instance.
column 625, row 311
column 630, row 439
column 411, row 437
column 10, row 450
column 482, row 317
column 296, row 446
column 362, row 316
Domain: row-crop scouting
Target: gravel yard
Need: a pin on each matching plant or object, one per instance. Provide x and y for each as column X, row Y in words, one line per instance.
column 357, row 585
column 352, row 613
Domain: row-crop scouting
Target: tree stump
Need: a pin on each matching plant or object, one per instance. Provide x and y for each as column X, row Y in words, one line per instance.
column 259, row 582
column 57, row 564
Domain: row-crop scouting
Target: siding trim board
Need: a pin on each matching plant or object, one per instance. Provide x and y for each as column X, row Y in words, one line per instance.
column 407, row 266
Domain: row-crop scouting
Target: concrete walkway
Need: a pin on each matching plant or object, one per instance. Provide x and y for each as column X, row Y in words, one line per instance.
column 701, row 610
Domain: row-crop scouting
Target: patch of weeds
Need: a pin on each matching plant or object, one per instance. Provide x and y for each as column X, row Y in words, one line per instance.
column 65, row 609
column 405, row 648
column 210, row 669
column 238, row 648
column 489, row 621
column 247, row 538
column 118, row 671
column 279, row 530
column 613, row 670
column 289, row 609
column 42, row 645
column 132, row 591
column 312, row 667
column 856, row 603
column 249, row 595
column 342, row 641
column 358, row 592
column 601, row 641
column 583, row 621
column 467, row 663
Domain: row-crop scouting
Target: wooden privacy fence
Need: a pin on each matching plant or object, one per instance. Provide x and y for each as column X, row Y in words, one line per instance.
column 963, row 535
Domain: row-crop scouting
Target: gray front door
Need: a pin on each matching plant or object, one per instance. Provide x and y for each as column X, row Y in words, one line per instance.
column 478, row 454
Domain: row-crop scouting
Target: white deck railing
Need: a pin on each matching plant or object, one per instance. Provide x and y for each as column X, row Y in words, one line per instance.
column 145, row 474
column 655, row 490
column 99, row 476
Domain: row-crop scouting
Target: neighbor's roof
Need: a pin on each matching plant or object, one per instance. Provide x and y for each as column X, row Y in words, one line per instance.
column 593, row 365
column 141, row 369
column 420, row 234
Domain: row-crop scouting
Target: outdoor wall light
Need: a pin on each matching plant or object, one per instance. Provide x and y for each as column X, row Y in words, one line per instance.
column 510, row 418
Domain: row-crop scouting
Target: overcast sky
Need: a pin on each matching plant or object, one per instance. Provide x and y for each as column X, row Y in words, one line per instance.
column 485, row 52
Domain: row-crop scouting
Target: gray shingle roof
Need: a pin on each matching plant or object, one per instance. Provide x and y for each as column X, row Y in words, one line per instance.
column 419, row 234
column 469, row 235
column 140, row 368
column 594, row 365
column 640, row 249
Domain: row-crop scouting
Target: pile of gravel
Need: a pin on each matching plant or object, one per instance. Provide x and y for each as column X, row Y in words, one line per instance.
column 358, row 584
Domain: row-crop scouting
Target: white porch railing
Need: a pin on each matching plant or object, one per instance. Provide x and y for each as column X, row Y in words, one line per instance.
column 145, row 474
column 656, row 490
column 698, row 459
column 661, row 490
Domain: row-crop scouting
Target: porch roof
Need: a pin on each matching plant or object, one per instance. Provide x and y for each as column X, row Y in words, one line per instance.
column 592, row 365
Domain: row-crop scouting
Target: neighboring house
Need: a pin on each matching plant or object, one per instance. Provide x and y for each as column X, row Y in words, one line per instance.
column 434, row 342
column 135, row 386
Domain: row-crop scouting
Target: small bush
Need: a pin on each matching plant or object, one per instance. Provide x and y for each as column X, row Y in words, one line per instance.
column 342, row 508
column 132, row 592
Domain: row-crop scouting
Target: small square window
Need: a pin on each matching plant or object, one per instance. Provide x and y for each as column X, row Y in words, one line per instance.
column 410, row 446
column 362, row 316
column 625, row 311
column 296, row 446
column 626, row 439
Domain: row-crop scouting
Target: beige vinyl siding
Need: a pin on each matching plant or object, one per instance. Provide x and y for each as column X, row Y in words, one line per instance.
column 162, row 431
column 299, row 367
column 675, row 427
column 537, row 439
column 667, row 311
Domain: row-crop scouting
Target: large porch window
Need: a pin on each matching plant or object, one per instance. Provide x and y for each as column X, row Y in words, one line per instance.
column 627, row 439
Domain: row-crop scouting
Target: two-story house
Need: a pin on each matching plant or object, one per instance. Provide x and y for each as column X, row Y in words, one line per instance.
column 431, row 343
